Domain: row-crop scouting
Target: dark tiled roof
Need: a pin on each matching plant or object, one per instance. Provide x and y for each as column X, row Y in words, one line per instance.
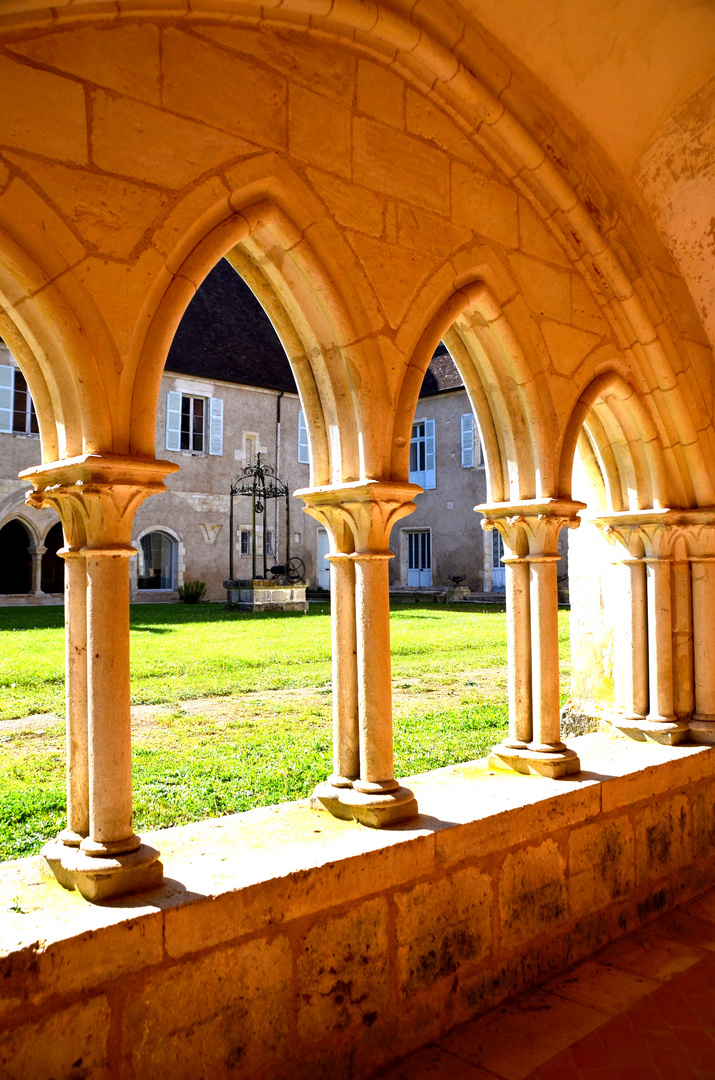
column 441, row 374
column 226, row 334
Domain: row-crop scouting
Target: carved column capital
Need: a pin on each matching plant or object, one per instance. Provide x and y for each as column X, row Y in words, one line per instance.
column 361, row 513
column 96, row 496
column 530, row 529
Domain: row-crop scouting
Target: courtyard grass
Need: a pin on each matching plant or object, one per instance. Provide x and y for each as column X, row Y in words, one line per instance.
column 235, row 710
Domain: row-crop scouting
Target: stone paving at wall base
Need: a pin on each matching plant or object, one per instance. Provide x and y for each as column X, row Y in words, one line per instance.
column 641, row 1009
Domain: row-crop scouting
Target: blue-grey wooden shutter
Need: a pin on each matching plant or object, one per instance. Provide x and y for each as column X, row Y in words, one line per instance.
column 430, row 463
column 7, row 386
column 216, row 429
column 303, row 449
column 467, row 440
column 173, row 420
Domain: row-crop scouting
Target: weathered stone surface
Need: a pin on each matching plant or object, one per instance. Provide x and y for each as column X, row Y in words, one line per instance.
column 399, row 165
column 60, row 1045
column 663, row 838
column 601, row 864
column 441, row 926
column 26, row 92
column 532, row 893
column 215, row 1011
column 341, row 966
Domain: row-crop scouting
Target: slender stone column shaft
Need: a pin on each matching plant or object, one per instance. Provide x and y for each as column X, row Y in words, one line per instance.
column 660, row 640
column 372, row 610
column 682, row 602
column 37, row 554
column 635, row 653
column 518, row 638
column 703, row 583
column 110, row 762
column 76, row 697
column 544, row 605
column 346, row 735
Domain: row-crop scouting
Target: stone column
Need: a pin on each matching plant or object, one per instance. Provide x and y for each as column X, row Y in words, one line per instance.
column 76, row 698
column 660, row 641
column 682, row 612
column 364, row 511
column 37, row 553
column 518, row 643
column 530, row 532
column 702, row 726
column 545, row 696
column 97, row 496
column 346, row 738
column 634, row 659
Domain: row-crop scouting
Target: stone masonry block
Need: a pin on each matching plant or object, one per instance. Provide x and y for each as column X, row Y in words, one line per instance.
column 295, row 57
column 234, row 1000
column 124, row 58
column 601, row 864
column 149, row 144
column 79, row 963
column 380, row 94
column 396, row 164
column 546, row 290
column 356, row 207
column 442, row 925
column 426, row 119
column 342, row 971
column 211, row 85
column 69, row 1044
column 42, row 113
column 485, row 205
column 319, row 131
column 532, row 893
column 663, row 838
column 655, row 770
column 703, row 804
column 423, row 231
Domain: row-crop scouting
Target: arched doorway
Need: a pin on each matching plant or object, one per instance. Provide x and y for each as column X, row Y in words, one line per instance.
column 156, row 566
column 15, row 559
column 53, row 567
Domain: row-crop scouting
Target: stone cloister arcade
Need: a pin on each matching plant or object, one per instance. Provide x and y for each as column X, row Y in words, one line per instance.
column 383, row 177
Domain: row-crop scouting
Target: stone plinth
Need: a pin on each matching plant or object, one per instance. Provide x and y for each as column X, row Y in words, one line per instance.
column 256, row 594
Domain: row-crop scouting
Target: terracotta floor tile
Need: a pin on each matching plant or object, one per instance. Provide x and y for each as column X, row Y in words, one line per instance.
column 558, row 1072
column 704, row 905
column 600, row 986
column 592, row 1052
column 515, row 1040
column 639, row 1072
column 652, row 954
column 432, row 1063
column 701, row 1057
column 694, row 1037
column 685, row 925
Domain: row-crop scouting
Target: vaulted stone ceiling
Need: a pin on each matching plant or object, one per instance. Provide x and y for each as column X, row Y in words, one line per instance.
column 639, row 75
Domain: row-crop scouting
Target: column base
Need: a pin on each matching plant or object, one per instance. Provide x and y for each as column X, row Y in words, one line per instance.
column 702, row 730
column 374, row 810
column 666, row 732
column 100, row 879
column 562, row 763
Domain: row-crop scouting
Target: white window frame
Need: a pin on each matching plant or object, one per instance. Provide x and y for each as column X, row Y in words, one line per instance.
column 247, row 533
column 426, row 477
column 8, row 390
column 421, row 577
column 212, row 436
column 303, row 444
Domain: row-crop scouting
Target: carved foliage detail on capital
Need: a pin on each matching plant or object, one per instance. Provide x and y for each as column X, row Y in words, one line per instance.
column 530, row 535
column 361, row 517
column 96, row 498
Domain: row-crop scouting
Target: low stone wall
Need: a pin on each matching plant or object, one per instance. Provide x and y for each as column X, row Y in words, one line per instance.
column 287, row 944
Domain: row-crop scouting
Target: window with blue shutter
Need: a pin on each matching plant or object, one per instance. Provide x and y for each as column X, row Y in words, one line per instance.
column 7, row 385
column 468, row 456
column 173, row 420
column 216, row 427
column 303, row 448
column 422, row 454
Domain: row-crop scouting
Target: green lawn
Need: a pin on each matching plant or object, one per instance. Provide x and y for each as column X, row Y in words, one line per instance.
column 263, row 734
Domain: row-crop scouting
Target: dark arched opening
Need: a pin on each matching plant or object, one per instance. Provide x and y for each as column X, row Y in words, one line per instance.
column 15, row 559
column 53, row 567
